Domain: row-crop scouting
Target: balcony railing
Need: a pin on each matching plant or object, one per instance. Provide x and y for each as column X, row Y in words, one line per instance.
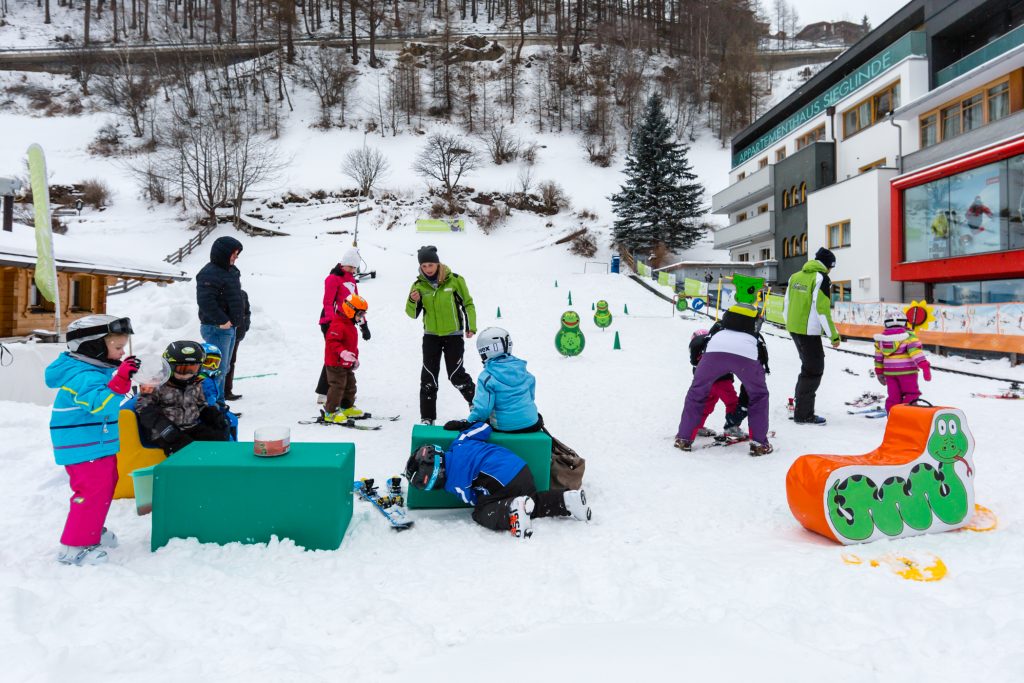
column 999, row 46
column 754, row 187
column 758, row 227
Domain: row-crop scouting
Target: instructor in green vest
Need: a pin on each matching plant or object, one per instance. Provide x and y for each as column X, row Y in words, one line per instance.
column 808, row 314
column 448, row 313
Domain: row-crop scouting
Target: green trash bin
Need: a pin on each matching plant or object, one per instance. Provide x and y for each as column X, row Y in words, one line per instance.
column 534, row 448
column 142, row 479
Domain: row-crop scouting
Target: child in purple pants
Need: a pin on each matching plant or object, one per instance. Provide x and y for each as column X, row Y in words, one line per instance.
column 90, row 378
column 898, row 357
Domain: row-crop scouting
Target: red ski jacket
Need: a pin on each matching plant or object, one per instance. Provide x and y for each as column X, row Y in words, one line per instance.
column 341, row 336
column 337, row 286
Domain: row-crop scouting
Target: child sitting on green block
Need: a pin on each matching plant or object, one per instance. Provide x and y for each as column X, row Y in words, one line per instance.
column 494, row 480
column 505, row 390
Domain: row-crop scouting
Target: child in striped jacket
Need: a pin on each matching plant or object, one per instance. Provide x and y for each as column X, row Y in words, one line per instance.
column 898, row 357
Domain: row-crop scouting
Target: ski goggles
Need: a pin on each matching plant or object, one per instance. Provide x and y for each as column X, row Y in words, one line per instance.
column 186, row 369
column 211, row 362
column 118, row 326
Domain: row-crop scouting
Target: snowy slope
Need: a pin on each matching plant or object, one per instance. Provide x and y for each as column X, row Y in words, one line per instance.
column 691, row 560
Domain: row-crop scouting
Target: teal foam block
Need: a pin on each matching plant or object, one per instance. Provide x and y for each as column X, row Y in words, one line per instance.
column 219, row 492
column 534, row 448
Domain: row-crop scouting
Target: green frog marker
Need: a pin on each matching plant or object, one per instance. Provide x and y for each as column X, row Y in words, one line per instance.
column 570, row 341
column 602, row 316
column 926, row 495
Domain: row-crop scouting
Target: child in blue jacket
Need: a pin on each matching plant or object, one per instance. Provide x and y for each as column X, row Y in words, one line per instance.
column 208, row 375
column 494, row 480
column 505, row 390
column 90, row 378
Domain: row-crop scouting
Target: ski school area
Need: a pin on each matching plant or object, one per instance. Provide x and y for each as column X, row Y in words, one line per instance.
column 842, row 553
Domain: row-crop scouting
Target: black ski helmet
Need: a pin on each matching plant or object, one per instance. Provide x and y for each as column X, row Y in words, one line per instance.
column 85, row 336
column 425, row 468
column 184, row 353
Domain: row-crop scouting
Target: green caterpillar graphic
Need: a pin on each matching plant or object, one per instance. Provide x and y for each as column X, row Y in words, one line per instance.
column 856, row 505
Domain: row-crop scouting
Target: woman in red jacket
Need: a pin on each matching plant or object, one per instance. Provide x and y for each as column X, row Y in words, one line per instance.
column 340, row 283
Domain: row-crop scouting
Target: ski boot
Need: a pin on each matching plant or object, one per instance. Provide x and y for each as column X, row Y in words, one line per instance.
column 815, row 420
column 734, row 432
column 704, row 431
column 395, row 491
column 338, row 417
column 576, row 504
column 352, row 412
column 427, row 421
column 684, row 444
column 519, row 511
column 79, row 555
column 321, row 399
column 108, row 539
column 758, row 449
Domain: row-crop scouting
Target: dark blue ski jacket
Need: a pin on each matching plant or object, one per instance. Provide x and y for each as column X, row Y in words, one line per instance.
column 474, row 467
column 219, row 286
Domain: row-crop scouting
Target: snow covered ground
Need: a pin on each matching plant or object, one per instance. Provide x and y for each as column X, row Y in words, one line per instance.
column 693, row 562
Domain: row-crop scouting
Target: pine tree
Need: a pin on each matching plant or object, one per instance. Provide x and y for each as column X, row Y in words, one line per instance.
column 659, row 203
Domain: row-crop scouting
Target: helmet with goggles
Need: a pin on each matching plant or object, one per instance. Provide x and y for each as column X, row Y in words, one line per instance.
column 85, row 335
column 425, row 468
column 493, row 342
column 184, row 357
column 354, row 305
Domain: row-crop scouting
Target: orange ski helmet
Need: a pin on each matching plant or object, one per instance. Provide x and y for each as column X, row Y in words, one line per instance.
column 352, row 304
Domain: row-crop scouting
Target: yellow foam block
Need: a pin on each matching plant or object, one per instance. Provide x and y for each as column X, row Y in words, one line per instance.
column 133, row 455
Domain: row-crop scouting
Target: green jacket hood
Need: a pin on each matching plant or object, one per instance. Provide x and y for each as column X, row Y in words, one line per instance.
column 815, row 266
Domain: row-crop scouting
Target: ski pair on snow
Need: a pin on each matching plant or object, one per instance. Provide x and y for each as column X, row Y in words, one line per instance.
column 392, row 506
column 352, row 423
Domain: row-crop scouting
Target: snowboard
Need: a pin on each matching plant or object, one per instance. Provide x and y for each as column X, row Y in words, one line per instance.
column 392, row 506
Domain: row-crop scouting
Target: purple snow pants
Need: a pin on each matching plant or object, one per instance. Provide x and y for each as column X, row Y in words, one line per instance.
column 712, row 366
column 902, row 389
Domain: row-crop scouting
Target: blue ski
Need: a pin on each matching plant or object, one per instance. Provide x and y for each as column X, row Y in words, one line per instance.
column 391, row 506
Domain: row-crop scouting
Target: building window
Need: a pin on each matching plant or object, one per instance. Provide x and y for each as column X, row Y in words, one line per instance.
column 803, row 192
column 985, row 292
column 871, row 110
column 970, row 111
column 973, row 212
column 785, row 199
column 744, row 257
column 841, row 291
column 766, row 254
column 780, row 154
column 81, row 294
column 741, row 217
column 785, row 248
column 762, row 162
column 36, row 302
column 762, row 209
column 811, row 137
column 873, row 165
column 839, row 235
column 803, row 244
column 794, row 196
column 741, row 175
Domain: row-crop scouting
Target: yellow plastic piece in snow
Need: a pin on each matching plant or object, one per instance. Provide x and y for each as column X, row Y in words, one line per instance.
column 983, row 520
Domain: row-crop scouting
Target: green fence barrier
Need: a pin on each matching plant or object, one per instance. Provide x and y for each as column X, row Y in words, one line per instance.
column 773, row 312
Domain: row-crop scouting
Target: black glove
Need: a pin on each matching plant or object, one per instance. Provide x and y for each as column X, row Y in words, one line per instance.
column 173, row 439
column 365, row 329
column 210, row 415
column 457, row 425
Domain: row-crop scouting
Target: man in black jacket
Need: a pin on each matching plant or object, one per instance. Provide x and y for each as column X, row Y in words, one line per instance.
column 221, row 306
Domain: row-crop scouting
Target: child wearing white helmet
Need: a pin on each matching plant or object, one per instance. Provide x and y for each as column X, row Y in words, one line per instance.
column 505, row 390
column 90, row 378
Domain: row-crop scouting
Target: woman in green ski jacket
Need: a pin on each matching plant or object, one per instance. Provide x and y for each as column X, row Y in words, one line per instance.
column 448, row 314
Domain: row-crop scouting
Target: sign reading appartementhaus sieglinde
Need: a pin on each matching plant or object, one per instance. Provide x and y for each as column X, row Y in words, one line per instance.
column 912, row 43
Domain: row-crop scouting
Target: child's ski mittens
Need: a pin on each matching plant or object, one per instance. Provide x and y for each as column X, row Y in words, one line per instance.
column 349, row 360
column 926, row 371
column 121, row 382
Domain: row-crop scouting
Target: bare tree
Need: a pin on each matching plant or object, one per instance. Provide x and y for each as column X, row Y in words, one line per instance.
column 128, row 88
column 322, row 70
column 446, row 158
column 501, row 145
column 365, row 166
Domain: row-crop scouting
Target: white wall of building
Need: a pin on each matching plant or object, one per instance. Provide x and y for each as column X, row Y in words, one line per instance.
column 864, row 201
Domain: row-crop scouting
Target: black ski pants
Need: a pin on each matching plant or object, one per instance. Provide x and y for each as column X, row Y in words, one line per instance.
column 322, row 384
column 452, row 347
column 812, row 367
column 492, row 511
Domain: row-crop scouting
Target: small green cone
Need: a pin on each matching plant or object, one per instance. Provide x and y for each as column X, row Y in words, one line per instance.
column 570, row 297
column 499, row 312
column 556, row 283
column 616, row 346
column 625, row 309
column 592, row 306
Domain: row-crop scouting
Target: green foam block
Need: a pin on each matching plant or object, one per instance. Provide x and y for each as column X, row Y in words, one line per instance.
column 219, row 492
column 534, row 448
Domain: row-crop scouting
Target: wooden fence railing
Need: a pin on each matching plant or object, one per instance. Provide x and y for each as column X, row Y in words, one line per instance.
column 175, row 257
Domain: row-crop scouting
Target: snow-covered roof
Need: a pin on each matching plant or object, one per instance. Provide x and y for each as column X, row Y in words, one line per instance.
column 18, row 249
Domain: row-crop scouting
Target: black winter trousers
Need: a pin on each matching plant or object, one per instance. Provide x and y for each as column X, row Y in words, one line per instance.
column 322, row 384
column 452, row 347
column 812, row 367
column 492, row 511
